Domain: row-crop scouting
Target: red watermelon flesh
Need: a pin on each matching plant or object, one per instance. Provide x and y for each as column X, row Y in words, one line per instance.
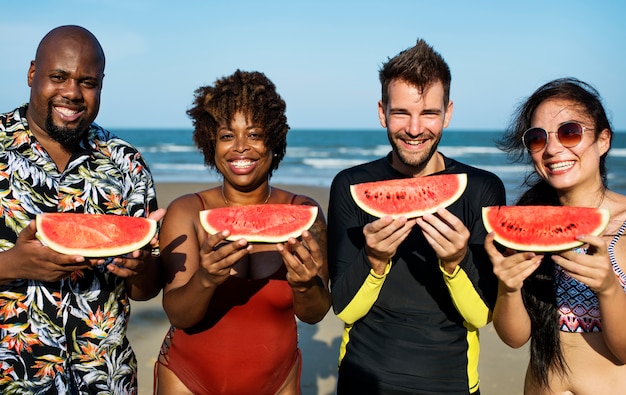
column 94, row 235
column 263, row 223
column 409, row 197
column 543, row 228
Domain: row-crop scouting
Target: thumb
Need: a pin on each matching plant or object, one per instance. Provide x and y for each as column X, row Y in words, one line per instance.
column 29, row 232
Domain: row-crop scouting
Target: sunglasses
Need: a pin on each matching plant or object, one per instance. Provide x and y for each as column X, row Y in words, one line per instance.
column 569, row 135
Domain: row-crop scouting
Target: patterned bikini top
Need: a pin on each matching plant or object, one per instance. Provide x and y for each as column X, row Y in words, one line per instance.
column 579, row 310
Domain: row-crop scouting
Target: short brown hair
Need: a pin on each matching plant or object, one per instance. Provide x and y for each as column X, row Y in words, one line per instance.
column 420, row 66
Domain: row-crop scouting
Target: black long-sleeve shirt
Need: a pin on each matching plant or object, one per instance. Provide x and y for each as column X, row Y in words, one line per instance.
column 415, row 328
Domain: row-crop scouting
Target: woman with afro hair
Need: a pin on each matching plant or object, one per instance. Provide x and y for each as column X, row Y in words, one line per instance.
column 232, row 305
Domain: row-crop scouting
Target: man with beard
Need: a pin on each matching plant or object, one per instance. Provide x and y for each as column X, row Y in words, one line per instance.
column 63, row 318
column 412, row 292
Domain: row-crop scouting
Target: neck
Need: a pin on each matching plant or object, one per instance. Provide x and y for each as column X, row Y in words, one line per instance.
column 584, row 198
column 434, row 165
column 59, row 153
column 246, row 198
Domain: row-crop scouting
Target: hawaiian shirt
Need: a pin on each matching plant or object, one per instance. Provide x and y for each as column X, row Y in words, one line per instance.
column 68, row 336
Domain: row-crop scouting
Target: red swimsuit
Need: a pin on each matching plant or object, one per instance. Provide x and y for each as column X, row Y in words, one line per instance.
column 246, row 343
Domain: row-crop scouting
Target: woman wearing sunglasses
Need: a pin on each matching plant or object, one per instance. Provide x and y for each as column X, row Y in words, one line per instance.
column 571, row 304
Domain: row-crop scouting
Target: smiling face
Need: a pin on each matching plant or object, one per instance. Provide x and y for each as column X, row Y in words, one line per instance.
column 66, row 82
column 241, row 155
column 415, row 121
column 569, row 168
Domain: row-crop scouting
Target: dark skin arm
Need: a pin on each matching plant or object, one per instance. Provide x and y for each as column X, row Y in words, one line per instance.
column 307, row 272
column 29, row 259
column 193, row 264
column 142, row 270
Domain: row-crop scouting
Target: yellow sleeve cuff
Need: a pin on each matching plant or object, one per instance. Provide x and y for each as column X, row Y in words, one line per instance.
column 365, row 297
column 454, row 273
column 465, row 298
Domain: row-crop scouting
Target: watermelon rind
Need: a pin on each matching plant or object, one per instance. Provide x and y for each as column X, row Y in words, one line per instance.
column 259, row 223
column 419, row 195
column 543, row 228
column 94, row 235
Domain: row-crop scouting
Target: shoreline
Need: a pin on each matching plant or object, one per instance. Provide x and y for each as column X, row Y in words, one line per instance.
column 501, row 368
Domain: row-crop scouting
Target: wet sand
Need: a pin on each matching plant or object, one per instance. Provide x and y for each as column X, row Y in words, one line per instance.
column 501, row 368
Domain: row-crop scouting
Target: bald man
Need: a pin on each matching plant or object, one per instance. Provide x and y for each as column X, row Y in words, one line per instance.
column 63, row 318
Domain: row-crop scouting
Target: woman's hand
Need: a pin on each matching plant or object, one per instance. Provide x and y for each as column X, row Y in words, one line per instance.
column 303, row 259
column 511, row 268
column 593, row 268
column 217, row 257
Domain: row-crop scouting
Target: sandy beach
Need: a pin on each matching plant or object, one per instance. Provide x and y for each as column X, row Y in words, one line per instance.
column 501, row 368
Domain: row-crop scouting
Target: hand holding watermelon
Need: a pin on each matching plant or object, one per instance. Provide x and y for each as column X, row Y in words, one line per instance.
column 543, row 228
column 129, row 240
column 593, row 268
column 37, row 262
column 447, row 235
column 135, row 262
column 382, row 239
column 307, row 268
column 218, row 258
column 511, row 268
column 303, row 259
column 95, row 235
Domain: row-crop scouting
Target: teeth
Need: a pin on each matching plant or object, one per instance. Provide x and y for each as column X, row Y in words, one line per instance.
column 561, row 165
column 242, row 163
column 413, row 142
column 66, row 111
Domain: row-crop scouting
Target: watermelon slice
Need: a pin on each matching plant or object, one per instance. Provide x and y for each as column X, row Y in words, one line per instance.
column 409, row 197
column 94, row 235
column 264, row 223
column 543, row 228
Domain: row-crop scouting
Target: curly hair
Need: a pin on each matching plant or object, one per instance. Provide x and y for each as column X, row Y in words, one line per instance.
column 251, row 93
column 420, row 66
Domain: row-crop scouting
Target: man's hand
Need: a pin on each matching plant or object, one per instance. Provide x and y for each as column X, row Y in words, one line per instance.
column 447, row 235
column 382, row 239
column 29, row 259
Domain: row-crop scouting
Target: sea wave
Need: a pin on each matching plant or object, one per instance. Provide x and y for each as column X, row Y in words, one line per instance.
column 617, row 152
column 339, row 164
column 509, row 169
column 377, row 151
column 178, row 167
column 453, row 151
column 325, row 152
column 314, row 157
column 167, row 148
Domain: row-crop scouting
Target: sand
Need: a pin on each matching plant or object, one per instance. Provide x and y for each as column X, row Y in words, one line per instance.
column 501, row 368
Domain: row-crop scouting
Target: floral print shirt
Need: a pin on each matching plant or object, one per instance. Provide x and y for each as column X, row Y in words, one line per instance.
column 68, row 336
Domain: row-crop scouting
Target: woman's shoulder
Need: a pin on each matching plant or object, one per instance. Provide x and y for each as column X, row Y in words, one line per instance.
column 193, row 201
column 186, row 199
column 616, row 204
column 288, row 197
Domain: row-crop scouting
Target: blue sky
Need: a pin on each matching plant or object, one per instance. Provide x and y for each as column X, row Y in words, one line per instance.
column 324, row 55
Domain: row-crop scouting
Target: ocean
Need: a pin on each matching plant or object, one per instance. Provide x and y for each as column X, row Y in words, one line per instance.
column 314, row 156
